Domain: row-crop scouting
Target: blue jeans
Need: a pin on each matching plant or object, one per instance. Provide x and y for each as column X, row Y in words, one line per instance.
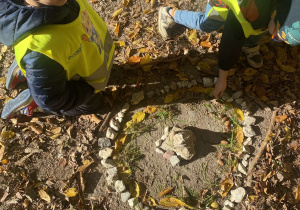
column 199, row 21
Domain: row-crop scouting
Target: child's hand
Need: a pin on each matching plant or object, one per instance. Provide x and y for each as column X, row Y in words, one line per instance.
column 221, row 83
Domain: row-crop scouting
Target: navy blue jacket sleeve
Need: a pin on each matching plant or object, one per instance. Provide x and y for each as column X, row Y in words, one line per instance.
column 49, row 87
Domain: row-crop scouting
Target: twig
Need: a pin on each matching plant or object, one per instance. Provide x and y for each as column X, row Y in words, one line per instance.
column 22, row 160
column 262, row 147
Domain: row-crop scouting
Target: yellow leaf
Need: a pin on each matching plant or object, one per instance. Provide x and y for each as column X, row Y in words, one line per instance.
column 125, row 176
column 165, row 191
column 288, row 68
column 71, row 192
column 287, row 136
column 182, row 76
column 204, row 66
column 193, row 38
column 179, row 93
column 134, row 59
column 231, row 72
column 152, row 3
column 173, row 202
column 225, row 186
column 118, row 12
column 147, row 11
column 134, row 189
column 197, row 89
column 252, row 198
column 125, row 3
column 138, row 117
column 145, row 60
column 55, row 136
column 44, row 196
column 215, row 205
column 168, row 99
column 250, row 72
column 4, row 161
column 239, row 113
column 117, row 29
column 1, row 150
column 122, row 139
column 264, row 78
column 210, row 62
column 150, row 109
column 86, row 164
column 149, row 201
column 2, row 80
column 239, row 135
column 297, row 195
column 7, row 135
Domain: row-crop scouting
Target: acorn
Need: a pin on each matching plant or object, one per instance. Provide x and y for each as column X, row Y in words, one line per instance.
column 224, row 119
column 227, row 123
column 220, row 162
column 224, row 142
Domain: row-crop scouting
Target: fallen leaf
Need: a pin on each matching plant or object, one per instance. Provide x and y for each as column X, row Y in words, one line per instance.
column 4, row 161
column 1, row 150
column 38, row 129
column 71, row 192
column 134, row 59
column 173, row 202
column 55, row 130
column 210, row 62
column 206, row 44
column 119, row 43
column 168, row 99
column 252, row 198
column 149, row 201
column 239, row 113
column 117, row 29
column 165, row 191
column 145, row 60
column 193, row 37
column 288, row 68
column 287, row 136
column 179, row 93
column 117, row 12
column 150, row 109
column 134, row 189
column 204, row 66
column 250, row 72
column 55, row 136
column 297, row 194
column 86, row 164
column 152, row 2
column 125, row 3
column 280, row 118
column 44, row 196
column 197, row 89
column 7, row 135
column 215, row 205
column 138, row 117
column 3, row 49
column 122, row 140
column 239, row 135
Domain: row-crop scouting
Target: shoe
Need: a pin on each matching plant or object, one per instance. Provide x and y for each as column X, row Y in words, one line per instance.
column 165, row 22
column 22, row 104
column 253, row 56
column 14, row 76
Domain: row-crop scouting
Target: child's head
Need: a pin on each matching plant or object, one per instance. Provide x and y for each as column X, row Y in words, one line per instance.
column 38, row 3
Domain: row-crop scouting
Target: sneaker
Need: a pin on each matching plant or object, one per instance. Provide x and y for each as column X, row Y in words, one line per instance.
column 165, row 22
column 14, row 76
column 253, row 56
column 22, row 104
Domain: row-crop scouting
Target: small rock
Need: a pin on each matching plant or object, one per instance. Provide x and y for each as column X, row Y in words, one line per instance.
column 125, row 196
column 159, row 151
column 138, row 206
column 105, row 153
column 199, row 80
column 164, row 137
column 246, row 157
column 158, row 142
column 120, row 114
column 215, row 80
column 173, row 86
column 111, row 134
column 168, row 154
column 207, row 82
column 174, row 160
column 167, row 89
column 120, row 186
column 166, row 130
column 132, row 202
column 119, row 119
column 179, row 85
column 244, row 105
column 245, row 163
column 280, row 176
column 237, row 95
column 248, row 141
column 226, row 208
column 162, row 91
column 228, row 203
column 242, row 169
column 112, row 171
column 184, row 83
column 249, row 131
column 150, row 94
column 239, row 101
column 249, row 120
column 246, row 149
column 108, row 163
column 189, row 85
column 114, row 124
column 111, row 180
column 125, row 108
column 157, row 92
column 33, row 150
column 194, row 82
column 137, row 97
column 237, row 195
column 146, row 208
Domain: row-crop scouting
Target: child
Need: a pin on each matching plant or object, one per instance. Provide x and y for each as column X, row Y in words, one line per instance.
column 244, row 26
column 63, row 51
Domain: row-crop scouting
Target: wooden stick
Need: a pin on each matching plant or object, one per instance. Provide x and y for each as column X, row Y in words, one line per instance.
column 263, row 145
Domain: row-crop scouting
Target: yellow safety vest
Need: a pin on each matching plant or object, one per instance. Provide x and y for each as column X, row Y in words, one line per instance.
column 234, row 6
column 83, row 47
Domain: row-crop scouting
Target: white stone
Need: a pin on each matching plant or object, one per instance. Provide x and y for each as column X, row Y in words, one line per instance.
column 114, row 124
column 125, row 108
column 167, row 89
column 105, row 153
column 158, row 142
column 194, row 82
column 229, row 100
column 108, row 163
column 184, row 83
column 249, row 131
column 137, row 97
column 164, row 137
column 162, row 91
column 242, row 169
column 189, row 85
column 174, row 160
column 207, row 82
column 248, row 141
column 104, row 142
column 111, row 134
column 120, row 114
column 166, row 130
column 239, row 101
column 119, row 119
column 228, row 203
column 237, row 95
column 237, row 195
column 150, row 94
column 226, row 208
column 215, row 80
column 245, row 163
column 179, row 85
column 120, row 186
column 159, row 151
column 246, row 156
column 125, row 196
column 138, row 206
column 132, row 202
column 173, row 86
column 249, row 120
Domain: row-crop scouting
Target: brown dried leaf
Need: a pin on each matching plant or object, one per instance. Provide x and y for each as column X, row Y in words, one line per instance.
column 280, row 118
column 165, row 191
column 38, row 129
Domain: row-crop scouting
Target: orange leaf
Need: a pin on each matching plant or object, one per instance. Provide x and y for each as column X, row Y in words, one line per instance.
column 206, row 44
column 117, row 29
column 280, row 118
column 165, row 191
column 134, row 59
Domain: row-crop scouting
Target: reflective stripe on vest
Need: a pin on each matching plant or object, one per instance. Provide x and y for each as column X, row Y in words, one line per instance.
column 234, row 6
column 83, row 47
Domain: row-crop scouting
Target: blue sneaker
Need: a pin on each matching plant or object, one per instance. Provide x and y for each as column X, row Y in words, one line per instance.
column 14, row 76
column 22, row 104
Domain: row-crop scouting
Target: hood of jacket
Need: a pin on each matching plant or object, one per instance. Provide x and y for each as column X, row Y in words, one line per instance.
column 18, row 20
